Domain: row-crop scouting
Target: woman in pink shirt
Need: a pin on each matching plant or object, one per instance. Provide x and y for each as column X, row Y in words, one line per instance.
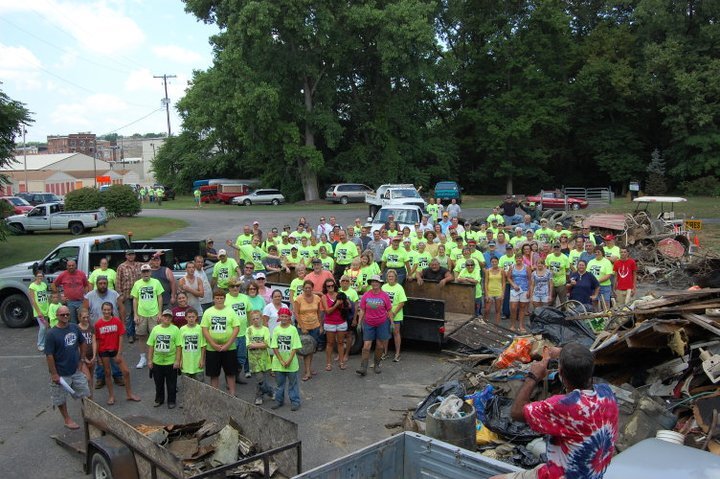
column 373, row 313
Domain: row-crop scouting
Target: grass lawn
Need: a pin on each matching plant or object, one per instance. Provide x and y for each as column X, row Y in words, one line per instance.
column 188, row 203
column 30, row 247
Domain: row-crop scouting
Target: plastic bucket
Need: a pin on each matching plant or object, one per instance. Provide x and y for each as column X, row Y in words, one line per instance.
column 457, row 431
column 670, row 436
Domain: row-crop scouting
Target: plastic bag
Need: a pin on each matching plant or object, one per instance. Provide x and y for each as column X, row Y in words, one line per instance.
column 519, row 350
column 498, row 420
column 442, row 391
column 450, row 408
column 479, row 398
column 552, row 325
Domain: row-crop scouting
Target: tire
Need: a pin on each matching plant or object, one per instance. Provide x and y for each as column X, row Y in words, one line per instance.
column 275, row 202
column 17, row 228
column 344, row 200
column 548, row 213
column 100, row 467
column 575, row 206
column 247, row 203
column 355, row 342
column 76, row 228
column 16, row 311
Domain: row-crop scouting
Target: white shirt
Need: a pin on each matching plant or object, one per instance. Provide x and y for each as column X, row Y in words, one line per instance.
column 323, row 228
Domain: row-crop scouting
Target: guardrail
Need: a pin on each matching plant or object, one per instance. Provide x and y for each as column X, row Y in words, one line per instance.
column 594, row 196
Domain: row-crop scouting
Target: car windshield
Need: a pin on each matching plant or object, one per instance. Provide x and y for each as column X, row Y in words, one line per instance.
column 401, row 216
column 406, row 193
column 18, row 201
column 445, row 186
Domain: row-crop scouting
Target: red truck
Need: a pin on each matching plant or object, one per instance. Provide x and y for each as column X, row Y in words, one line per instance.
column 225, row 193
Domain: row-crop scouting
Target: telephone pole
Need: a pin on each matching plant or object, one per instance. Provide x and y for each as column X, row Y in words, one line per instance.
column 166, row 100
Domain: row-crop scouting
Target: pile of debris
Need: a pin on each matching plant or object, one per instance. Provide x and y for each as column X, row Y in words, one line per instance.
column 203, row 446
column 660, row 355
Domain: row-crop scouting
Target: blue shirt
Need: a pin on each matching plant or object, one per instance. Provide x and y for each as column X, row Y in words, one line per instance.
column 445, row 225
column 585, row 285
column 63, row 344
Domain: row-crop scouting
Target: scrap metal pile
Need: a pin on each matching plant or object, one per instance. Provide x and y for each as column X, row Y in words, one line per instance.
column 205, row 446
column 660, row 355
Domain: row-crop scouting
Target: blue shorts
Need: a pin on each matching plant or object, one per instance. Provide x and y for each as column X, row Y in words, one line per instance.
column 605, row 292
column 381, row 332
column 315, row 333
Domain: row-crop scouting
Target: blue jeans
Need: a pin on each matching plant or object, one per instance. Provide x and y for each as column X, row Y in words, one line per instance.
column 74, row 307
column 512, row 220
column 263, row 384
column 100, row 371
column 241, row 354
column 130, row 319
column 293, row 387
column 506, row 301
column 42, row 331
column 606, row 292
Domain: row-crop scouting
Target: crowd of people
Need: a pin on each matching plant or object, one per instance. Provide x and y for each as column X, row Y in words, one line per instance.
column 228, row 320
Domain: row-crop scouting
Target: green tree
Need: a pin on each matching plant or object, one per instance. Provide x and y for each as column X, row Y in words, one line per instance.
column 655, row 184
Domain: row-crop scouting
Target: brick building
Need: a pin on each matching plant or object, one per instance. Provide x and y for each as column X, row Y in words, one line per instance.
column 73, row 143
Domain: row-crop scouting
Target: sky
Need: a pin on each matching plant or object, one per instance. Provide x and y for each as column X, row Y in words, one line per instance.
column 88, row 66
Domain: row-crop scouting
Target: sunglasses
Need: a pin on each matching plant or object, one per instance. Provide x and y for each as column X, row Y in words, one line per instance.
column 63, row 314
column 234, row 285
column 330, row 285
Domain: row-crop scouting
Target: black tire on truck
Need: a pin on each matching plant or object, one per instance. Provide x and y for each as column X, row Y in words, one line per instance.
column 354, row 340
column 17, row 228
column 100, row 467
column 76, row 228
column 16, row 311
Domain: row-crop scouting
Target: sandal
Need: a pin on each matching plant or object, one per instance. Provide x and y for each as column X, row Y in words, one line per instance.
column 342, row 366
column 110, row 402
column 396, row 359
column 328, row 367
column 305, row 378
column 314, row 373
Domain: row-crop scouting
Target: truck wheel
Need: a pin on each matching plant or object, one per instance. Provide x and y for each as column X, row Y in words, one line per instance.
column 275, row 202
column 344, row 200
column 355, row 340
column 76, row 228
column 17, row 228
column 575, row 206
column 16, row 311
column 247, row 202
column 100, row 467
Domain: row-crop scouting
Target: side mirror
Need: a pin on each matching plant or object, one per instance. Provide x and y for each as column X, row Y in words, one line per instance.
column 369, row 218
column 34, row 267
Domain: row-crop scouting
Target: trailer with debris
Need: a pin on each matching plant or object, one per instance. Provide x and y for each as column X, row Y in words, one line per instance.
column 221, row 436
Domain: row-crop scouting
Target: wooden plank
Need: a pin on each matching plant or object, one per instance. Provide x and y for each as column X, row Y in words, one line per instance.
column 107, row 421
column 704, row 322
column 455, row 321
column 698, row 306
column 458, row 297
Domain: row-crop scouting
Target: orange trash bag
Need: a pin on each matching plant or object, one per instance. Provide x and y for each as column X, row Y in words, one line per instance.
column 519, row 350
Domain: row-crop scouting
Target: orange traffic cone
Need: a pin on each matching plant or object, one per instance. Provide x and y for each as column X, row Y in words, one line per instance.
column 696, row 241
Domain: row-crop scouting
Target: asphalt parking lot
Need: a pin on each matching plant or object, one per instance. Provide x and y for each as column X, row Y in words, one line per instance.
column 341, row 412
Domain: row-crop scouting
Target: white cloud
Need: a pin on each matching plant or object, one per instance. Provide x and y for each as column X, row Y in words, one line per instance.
column 96, row 26
column 20, row 65
column 86, row 112
column 142, row 81
column 178, row 54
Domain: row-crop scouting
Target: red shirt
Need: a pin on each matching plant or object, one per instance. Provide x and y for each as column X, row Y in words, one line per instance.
column 624, row 274
column 318, row 280
column 108, row 334
column 179, row 316
column 73, row 284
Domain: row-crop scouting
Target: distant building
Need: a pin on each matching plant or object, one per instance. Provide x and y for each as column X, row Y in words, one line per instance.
column 28, row 150
column 73, row 143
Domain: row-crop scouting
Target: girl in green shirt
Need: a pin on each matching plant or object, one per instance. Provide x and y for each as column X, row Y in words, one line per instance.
column 39, row 300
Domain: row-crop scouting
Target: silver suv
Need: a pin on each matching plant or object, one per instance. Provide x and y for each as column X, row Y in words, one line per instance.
column 345, row 193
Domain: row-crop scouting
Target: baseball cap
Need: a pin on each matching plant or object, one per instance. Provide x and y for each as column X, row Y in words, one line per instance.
column 145, row 267
column 294, row 247
column 609, row 238
column 209, row 240
column 445, row 213
column 377, row 278
column 316, row 261
column 509, row 246
column 491, row 243
column 543, row 220
column 529, row 230
column 284, row 233
column 222, row 252
column 260, row 276
column 407, row 240
column 167, row 312
column 284, row 312
column 256, row 222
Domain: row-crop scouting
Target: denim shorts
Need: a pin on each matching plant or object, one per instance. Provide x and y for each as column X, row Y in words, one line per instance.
column 380, row 332
column 606, row 292
column 315, row 333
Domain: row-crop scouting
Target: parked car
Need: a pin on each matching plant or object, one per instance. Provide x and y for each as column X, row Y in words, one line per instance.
column 39, row 198
column 405, row 215
column 15, row 206
column 556, row 199
column 345, row 193
column 260, row 197
column 448, row 190
column 51, row 216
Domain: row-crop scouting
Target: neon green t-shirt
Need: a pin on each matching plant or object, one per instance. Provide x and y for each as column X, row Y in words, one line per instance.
column 223, row 271
column 328, row 263
column 545, row 235
column 559, row 266
column 411, row 258
column 241, row 305
column 500, row 219
column 397, row 296
column 285, row 249
column 306, row 253
column 147, row 294
column 296, row 286
column 196, row 194
column 164, row 340
column 220, row 324
column 243, row 239
column 434, row 211
column 254, row 254
column 351, row 294
column 506, row 262
column 516, row 240
column 109, row 273
column 345, row 253
column 423, row 260
column 614, row 251
column 394, row 258
column 284, row 340
column 456, row 254
column 474, row 275
column 574, row 257
column 42, row 297
column 600, row 268
column 328, row 247
column 259, row 358
column 52, row 314
column 191, row 342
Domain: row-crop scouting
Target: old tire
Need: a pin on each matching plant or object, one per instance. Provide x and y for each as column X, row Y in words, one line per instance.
column 247, row 202
column 547, row 213
column 354, row 340
column 275, row 202
column 76, row 228
column 344, row 200
column 16, row 311
column 575, row 206
column 100, row 467
column 17, row 228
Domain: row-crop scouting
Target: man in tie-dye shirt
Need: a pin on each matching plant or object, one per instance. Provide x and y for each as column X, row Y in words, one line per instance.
column 581, row 426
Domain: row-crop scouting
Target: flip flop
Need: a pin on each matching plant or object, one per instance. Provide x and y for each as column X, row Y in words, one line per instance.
column 73, row 427
column 342, row 366
column 134, row 398
column 328, row 367
column 306, row 378
column 314, row 373
column 110, row 402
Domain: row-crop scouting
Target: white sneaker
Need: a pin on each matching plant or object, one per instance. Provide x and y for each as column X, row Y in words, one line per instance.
column 248, row 375
column 142, row 363
column 41, row 348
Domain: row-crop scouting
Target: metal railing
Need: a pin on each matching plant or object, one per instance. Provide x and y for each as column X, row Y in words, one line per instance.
column 594, row 196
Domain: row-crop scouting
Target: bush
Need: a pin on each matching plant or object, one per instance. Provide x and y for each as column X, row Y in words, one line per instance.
column 120, row 200
column 83, row 199
column 705, row 186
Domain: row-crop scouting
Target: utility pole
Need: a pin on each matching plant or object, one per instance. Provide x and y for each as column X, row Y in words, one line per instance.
column 166, row 100
column 27, row 189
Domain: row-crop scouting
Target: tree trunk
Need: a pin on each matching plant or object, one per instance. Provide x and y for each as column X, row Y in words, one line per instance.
column 308, row 177
column 509, row 185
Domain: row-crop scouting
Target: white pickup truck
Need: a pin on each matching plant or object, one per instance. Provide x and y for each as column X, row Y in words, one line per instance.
column 50, row 216
column 404, row 215
column 394, row 195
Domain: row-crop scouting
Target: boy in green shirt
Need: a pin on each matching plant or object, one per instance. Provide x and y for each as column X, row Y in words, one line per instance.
column 471, row 274
column 39, row 299
column 285, row 344
column 220, row 326
column 164, row 359
column 258, row 344
column 192, row 361
column 52, row 309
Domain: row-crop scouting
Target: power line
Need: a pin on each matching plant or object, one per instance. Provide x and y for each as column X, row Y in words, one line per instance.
column 166, row 100
column 132, row 122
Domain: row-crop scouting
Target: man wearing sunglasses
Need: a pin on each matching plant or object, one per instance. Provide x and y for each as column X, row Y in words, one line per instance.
column 64, row 346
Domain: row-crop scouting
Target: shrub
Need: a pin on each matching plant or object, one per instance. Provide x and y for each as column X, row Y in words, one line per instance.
column 705, row 186
column 83, row 199
column 120, row 200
